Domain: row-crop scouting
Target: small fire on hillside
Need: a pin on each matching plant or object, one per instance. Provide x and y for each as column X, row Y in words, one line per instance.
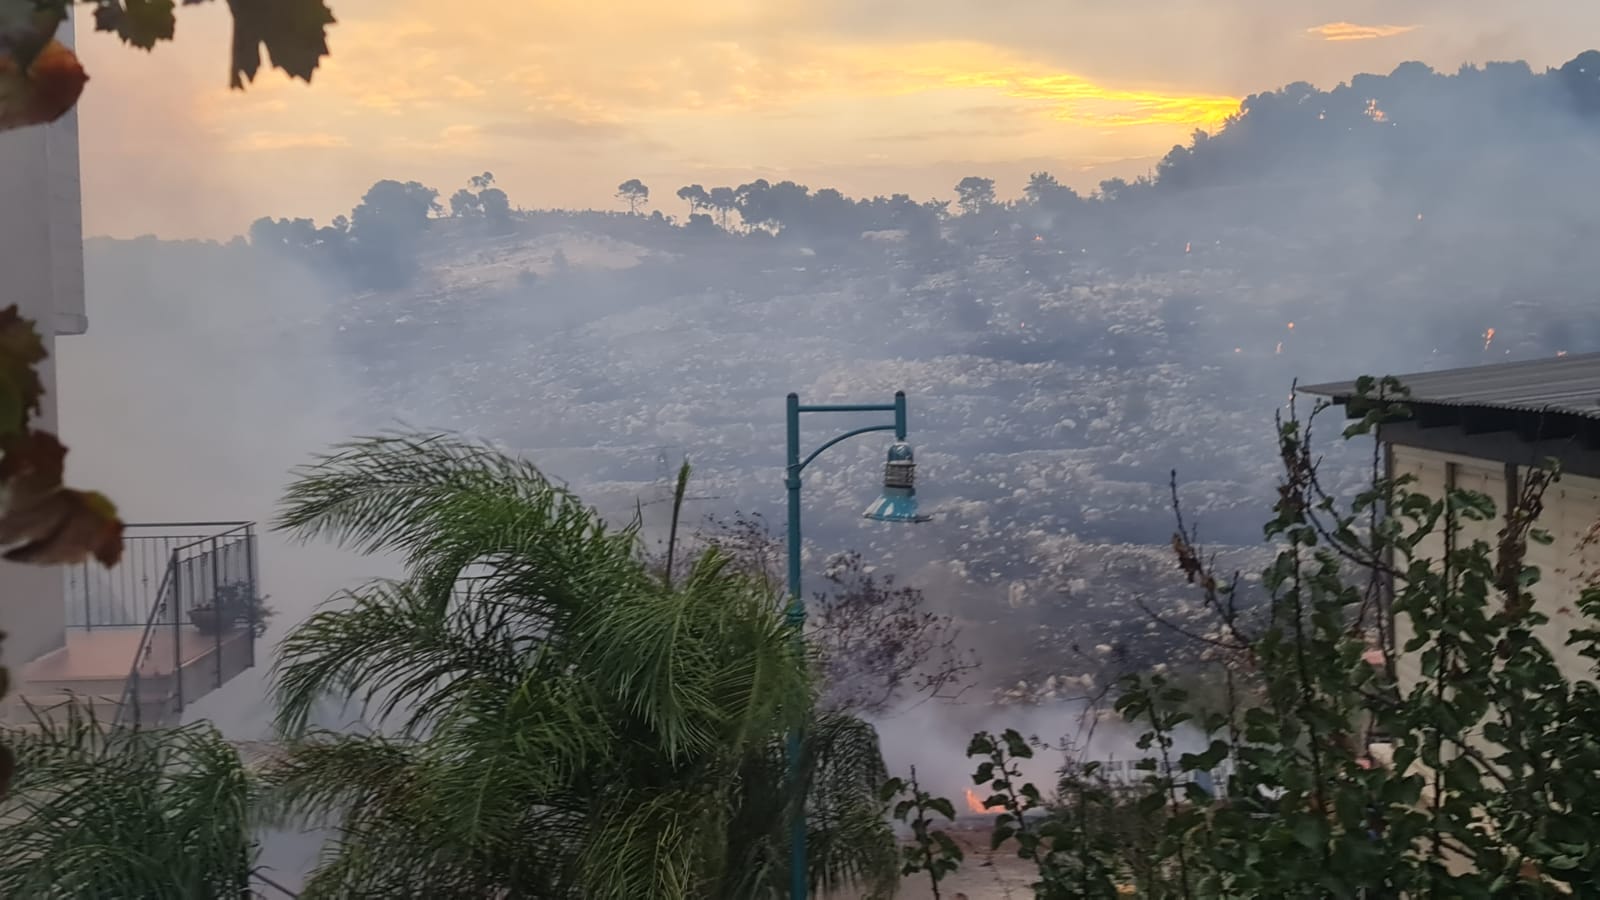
column 975, row 803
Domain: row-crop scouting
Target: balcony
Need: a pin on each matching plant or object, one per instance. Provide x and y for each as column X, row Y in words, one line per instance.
column 176, row 619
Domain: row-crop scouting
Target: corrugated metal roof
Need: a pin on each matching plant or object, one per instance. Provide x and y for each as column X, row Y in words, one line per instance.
column 1564, row 384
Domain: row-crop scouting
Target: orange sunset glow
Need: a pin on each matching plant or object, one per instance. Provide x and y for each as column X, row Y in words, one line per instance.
column 562, row 101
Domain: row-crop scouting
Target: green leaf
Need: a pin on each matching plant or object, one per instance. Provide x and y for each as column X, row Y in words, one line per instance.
column 1204, row 762
column 140, row 23
column 1528, row 576
column 942, row 806
column 1310, row 831
column 21, row 350
column 12, row 412
column 294, row 33
column 1016, row 744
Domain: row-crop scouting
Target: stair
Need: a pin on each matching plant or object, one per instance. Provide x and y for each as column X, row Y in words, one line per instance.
column 95, row 664
column 24, row 708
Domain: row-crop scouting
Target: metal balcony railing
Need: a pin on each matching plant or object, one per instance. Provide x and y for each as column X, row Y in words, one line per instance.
column 185, row 604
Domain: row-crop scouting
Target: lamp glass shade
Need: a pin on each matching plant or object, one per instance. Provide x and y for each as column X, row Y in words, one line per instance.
column 896, row 505
column 899, row 500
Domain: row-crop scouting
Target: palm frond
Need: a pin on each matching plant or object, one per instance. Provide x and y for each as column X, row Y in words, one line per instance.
column 444, row 503
column 704, row 666
column 654, row 844
column 427, row 817
column 385, row 492
column 98, row 811
column 850, row 844
column 389, row 646
column 570, row 724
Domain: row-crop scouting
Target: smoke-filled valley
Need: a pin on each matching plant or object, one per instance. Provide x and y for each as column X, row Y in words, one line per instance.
column 1062, row 354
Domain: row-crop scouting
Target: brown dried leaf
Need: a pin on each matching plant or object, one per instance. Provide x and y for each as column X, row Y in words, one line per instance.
column 45, row 523
column 62, row 527
column 44, row 90
column 32, row 464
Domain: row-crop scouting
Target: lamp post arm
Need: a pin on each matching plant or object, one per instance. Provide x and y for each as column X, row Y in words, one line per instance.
column 846, row 407
column 843, row 437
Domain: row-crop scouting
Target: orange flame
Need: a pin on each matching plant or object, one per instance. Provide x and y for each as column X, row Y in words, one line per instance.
column 975, row 803
column 1488, row 338
column 1186, row 246
column 1291, row 326
column 1561, row 353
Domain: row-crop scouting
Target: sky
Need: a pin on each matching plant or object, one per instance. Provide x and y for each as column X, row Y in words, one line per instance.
column 563, row 100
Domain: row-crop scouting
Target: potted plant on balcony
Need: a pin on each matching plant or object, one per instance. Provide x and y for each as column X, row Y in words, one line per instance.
column 233, row 602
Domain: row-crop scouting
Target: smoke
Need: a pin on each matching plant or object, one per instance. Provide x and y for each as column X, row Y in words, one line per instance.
column 206, row 374
column 933, row 737
column 1059, row 365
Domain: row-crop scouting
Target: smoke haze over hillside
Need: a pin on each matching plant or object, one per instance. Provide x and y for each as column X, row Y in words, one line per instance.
column 1061, row 353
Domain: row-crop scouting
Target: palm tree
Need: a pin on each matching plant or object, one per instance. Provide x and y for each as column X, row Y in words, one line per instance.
column 549, row 716
column 97, row 811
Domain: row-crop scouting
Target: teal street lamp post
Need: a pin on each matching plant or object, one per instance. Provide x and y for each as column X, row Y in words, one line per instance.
column 897, row 504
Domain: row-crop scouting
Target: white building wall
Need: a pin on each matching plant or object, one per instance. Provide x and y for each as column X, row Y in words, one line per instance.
column 1567, row 565
column 41, row 254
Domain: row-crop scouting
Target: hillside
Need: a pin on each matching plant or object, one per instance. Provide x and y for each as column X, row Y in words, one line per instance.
column 1062, row 355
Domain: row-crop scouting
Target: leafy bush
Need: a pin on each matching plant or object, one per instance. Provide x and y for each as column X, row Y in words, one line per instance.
column 1337, row 777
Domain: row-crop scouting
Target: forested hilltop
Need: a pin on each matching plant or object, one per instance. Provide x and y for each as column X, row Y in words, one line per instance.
column 1413, row 139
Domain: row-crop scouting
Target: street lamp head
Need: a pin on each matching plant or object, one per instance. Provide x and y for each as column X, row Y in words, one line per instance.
column 899, row 500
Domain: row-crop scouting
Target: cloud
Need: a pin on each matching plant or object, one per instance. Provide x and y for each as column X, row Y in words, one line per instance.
column 977, row 123
column 281, row 140
column 1063, row 96
column 1349, row 31
column 548, row 127
column 596, row 92
column 459, row 139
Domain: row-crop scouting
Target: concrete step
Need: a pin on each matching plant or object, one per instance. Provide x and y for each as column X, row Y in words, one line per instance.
column 85, row 687
column 24, row 708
